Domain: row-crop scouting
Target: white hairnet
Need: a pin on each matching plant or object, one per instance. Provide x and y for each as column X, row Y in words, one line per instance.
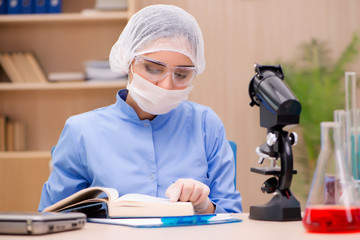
column 159, row 28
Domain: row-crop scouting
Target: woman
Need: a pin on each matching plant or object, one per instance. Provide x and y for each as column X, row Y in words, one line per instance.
column 151, row 141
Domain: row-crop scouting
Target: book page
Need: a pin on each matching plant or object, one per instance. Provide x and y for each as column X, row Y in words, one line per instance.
column 139, row 205
column 82, row 195
column 142, row 198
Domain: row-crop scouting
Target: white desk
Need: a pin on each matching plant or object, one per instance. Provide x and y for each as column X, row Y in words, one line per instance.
column 247, row 229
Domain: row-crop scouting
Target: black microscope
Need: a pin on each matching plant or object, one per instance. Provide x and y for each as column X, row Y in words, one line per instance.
column 278, row 108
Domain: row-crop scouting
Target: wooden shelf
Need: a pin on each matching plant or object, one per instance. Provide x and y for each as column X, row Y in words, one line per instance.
column 26, row 155
column 87, row 15
column 62, row 85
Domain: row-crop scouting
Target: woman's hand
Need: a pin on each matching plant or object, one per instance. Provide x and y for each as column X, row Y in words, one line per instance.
column 190, row 190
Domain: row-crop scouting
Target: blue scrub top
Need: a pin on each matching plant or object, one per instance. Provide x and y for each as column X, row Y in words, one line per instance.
column 111, row 147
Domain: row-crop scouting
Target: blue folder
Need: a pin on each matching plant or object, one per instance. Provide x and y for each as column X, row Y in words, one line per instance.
column 54, row 6
column 40, row 6
column 3, row 7
column 179, row 221
column 13, row 6
column 26, row 6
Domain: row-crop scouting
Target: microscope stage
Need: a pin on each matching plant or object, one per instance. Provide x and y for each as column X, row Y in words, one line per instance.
column 269, row 170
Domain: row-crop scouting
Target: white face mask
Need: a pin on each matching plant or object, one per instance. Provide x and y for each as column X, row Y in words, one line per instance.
column 153, row 99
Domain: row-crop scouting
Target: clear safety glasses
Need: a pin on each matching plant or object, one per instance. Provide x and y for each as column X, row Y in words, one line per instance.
column 155, row 71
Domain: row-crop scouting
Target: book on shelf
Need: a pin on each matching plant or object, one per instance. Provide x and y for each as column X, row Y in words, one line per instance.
column 66, row 76
column 54, row 6
column 35, row 67
column 99, row 70
column 3, row 7
column 111, row 5
column 3, row 76
column 19, row 136
column 12, row 6
column 9, row 135
column 40, row 6
column 47, row 6
column 26, row 6
column 22, row 67
column 15, row 135
column 12, row 134
column 30, row 6
column 92, row 202
column 2, row 132
column 10, row 69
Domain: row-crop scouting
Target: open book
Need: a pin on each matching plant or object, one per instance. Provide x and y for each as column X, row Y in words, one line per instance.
column 113, row 206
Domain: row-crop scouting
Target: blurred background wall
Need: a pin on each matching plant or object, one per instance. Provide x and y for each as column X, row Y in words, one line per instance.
column 239, row 33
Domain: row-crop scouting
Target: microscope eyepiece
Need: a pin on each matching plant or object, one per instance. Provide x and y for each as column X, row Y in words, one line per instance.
column 278, row 104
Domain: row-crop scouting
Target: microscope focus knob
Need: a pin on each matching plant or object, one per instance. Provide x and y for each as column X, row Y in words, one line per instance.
column 293, row 138
column 271, row 139
column 270, row 185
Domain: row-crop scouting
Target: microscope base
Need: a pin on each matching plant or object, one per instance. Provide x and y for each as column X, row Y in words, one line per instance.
column 279, row 208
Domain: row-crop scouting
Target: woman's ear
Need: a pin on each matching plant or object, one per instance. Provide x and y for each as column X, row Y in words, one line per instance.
column 130, row 76
column 130, row 73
